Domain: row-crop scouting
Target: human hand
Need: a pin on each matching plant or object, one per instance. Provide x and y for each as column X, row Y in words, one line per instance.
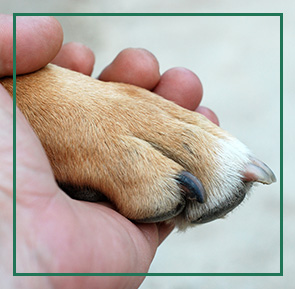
column 54, row 233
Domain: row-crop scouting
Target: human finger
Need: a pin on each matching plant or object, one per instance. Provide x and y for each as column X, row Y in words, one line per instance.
column 38, row 40
column 181, row 86
column 75, row 56
column 134, row 66
column 208, row 113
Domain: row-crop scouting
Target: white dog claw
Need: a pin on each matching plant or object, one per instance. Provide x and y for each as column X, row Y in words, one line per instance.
column 257, row 171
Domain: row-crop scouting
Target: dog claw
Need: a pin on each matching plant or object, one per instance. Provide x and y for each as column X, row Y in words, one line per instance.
column 258, row 171
column 192, row 187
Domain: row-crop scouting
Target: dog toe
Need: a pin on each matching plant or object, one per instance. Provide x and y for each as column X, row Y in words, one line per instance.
column 190, row 188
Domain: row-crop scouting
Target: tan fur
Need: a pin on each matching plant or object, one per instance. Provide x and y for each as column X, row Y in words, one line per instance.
column 128, row 143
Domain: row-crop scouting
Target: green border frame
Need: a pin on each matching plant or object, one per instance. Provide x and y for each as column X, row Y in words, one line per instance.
column 280, row 15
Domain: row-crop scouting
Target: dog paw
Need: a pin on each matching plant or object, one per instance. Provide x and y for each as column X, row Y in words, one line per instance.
column 153, row 159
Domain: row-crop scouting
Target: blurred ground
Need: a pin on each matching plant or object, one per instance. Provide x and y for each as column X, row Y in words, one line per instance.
column 237, row 60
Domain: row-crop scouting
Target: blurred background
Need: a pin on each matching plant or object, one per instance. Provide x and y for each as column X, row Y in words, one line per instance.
column 237, row 61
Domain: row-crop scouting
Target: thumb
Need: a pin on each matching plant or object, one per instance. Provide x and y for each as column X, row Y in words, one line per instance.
column 34, row 177
column 38, row 41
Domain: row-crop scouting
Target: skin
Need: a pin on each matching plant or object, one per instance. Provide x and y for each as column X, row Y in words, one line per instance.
column 107, row 242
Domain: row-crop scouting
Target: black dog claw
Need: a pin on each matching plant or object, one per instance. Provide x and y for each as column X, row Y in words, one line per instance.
column 192, row 187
